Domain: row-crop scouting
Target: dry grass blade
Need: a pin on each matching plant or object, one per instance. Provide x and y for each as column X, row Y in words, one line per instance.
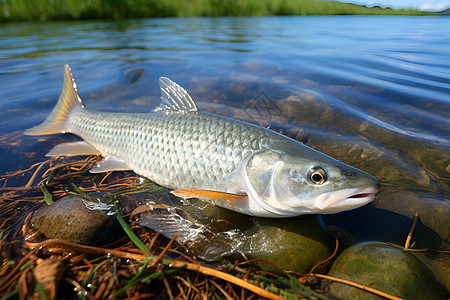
column 78, row 287
column 410, row 234
column 16, row 268
column 36, row 172
column 165, row 250
column 221, row 290
column 359, row 286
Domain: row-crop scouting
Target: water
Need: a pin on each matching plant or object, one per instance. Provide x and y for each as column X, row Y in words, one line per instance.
column 371, row 91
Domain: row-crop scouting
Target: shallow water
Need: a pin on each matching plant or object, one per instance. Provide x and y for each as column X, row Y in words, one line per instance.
column 370, row 91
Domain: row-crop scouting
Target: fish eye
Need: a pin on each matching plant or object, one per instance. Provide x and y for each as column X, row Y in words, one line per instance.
column 317, row 175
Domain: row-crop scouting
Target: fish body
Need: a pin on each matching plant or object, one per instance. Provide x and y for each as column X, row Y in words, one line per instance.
column 236, row 165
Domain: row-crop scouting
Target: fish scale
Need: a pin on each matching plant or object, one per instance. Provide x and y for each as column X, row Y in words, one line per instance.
column 173, row 150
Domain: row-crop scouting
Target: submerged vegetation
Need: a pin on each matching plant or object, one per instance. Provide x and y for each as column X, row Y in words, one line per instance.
column 35, row 10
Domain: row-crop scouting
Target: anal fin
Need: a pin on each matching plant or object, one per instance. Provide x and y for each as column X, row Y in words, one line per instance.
column 73, row 149
column 110, row 164
column 206, row 194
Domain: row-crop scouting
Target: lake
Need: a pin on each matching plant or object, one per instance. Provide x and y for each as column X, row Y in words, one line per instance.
column 373, row 92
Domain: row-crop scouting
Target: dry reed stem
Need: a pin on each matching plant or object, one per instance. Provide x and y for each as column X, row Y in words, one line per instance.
column 36, row 172
column 164, row 250
column 410, row 234
column 359, row 286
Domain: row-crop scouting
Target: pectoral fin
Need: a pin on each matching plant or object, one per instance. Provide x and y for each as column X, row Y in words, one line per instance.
column 73, row 149
column 206, row 194
column 209, row 242
column 109, row 164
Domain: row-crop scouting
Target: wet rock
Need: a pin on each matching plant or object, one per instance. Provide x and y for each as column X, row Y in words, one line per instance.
column 211, row 232
column 79, row 219
column 393, row 225
column 295, row 244
column 432, row 230
column 382, row 267
column 433, row 211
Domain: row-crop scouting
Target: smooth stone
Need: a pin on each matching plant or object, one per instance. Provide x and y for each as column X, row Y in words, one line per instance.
column 294, row 244
column 79, row 219
column 211, row 232
column 380, row 266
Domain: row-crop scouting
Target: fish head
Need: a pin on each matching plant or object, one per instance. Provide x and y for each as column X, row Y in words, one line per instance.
column 305, row 181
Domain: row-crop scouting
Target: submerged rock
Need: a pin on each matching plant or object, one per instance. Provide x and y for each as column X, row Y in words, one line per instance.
column 211, row 232
column 80, row 219
column 295, row 244
column 380, row 266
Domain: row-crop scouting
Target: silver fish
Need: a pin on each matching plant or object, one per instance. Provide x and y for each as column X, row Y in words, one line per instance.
column 236, row 165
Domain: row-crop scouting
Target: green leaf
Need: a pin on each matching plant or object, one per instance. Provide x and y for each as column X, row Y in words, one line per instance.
column 12, row 294
column 132, row 281
column 26, row 265
column 92, row 272
column 141, row 246
column 47, row 196
column 77, row 189
column 41, row 290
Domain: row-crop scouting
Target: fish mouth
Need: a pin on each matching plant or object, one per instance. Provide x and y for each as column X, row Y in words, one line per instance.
column 345, row 199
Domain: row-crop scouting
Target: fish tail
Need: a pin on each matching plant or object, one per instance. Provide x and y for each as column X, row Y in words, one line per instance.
column 68, row 100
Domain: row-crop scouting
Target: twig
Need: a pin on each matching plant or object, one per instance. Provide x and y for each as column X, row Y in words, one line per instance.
column 329, row 258
column 408, row 239
column 36, row 172
column 18, row 266
column 165, row 249
column 80, row 288
column 166, row 284
column 360, row 286
column 221, row 290
column 418, row 250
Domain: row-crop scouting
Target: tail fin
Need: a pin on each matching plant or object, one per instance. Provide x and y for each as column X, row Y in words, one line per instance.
column 68, row 100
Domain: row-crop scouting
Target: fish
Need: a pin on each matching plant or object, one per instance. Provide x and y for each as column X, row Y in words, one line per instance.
column 232, row 164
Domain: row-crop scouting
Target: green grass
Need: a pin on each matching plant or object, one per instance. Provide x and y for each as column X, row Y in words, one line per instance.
column 42, row 10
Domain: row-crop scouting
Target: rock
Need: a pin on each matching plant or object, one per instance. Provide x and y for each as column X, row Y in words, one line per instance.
column 380, row 266
column 306, row 106
column 79, row 219
column 211, row 232
column 295, row 244
column 389, row 218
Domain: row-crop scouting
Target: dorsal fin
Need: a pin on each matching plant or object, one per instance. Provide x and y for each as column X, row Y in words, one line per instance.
column 174, row 99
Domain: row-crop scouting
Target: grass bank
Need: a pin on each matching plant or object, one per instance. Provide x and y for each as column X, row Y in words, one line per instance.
column 42, row 10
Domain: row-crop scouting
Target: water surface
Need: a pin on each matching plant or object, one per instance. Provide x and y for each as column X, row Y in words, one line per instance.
column 370, row 91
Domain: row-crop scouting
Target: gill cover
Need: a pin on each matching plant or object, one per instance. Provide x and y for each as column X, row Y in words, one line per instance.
column 261, row 174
